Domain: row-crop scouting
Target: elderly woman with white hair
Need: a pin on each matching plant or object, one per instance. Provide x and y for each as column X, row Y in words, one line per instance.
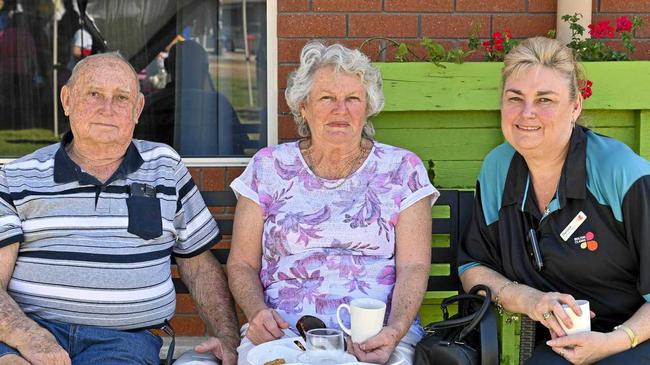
column 333, row 216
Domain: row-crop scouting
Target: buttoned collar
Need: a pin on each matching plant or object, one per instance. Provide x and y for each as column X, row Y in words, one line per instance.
column 573, row 181
column 66, row 170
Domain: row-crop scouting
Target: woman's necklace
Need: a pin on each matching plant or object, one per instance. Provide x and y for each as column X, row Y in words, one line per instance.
column 352, row 163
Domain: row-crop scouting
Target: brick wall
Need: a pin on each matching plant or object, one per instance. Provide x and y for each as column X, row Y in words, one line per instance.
column 350, row 22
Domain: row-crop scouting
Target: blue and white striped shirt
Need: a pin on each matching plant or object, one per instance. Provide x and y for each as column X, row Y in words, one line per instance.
column 99, row 254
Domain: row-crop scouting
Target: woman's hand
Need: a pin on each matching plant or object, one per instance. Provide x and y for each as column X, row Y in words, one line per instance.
column 549, row 305
column 377, row 349
column 589, row 347
column 265, row 325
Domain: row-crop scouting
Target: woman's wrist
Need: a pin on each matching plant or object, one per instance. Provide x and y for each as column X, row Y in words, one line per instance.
column 631, row 336
column 618, row 341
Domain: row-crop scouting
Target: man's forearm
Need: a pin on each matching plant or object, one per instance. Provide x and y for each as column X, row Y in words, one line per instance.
column 207, row 283
column 13, row 322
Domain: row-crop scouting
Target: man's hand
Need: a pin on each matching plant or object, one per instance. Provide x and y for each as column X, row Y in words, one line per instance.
column 12, row 359
column 265, row 325
column 377, row 349
column 227, row 354
column 39, row 347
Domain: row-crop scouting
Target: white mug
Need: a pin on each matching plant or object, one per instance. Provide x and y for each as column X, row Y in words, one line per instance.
column 580, row 323
column 366, row 318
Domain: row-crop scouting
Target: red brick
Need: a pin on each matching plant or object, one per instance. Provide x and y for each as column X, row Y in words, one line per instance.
column 213, row 178
column 292, row 5
column 491, row 6
column 454, row 26
column 642, row 48
column 197, row 176
column 311, row 25
column 216, row 210
column 283, row 74
column 232, row 173
column 185, row 304
column 626, row 6
column 185, row 325
column 174, row 270
column 431, row 6
column 523, row 26
column 542, row 6
column 370, row 25
column 286, row 127
column 644, row 31
column 346, row 5
column 282, row 104
column 289, row 50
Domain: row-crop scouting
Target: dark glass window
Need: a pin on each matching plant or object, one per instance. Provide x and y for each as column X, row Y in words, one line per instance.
column 201, row 63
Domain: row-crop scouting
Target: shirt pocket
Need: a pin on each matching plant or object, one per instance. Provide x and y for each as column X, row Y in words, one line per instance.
column 145, row 220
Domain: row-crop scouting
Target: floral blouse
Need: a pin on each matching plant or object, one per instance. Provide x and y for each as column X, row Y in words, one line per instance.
column 326, row 242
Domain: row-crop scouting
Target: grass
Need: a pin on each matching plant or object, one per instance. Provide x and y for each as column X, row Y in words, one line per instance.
column 16, row 143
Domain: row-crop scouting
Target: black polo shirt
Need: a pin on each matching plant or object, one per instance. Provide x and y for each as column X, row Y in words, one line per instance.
column 605, row 259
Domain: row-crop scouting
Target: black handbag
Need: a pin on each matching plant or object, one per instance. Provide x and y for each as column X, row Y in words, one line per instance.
column 457, row 340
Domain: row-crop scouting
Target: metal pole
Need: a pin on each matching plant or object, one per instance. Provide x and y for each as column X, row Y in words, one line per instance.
column 246, row 53
column 55, row 66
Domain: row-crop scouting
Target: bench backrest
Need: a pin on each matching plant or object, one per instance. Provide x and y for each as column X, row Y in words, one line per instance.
column 460, row 206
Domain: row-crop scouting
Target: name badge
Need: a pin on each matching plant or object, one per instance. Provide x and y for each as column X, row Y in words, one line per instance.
column 573, row 225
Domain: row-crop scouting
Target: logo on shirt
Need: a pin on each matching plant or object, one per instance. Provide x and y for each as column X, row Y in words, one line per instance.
column 588, row 241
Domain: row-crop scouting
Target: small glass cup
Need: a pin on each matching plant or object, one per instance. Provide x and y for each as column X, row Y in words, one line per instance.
column 325, row 345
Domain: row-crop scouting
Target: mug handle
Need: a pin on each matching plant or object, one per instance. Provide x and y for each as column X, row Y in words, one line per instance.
column 338, row 318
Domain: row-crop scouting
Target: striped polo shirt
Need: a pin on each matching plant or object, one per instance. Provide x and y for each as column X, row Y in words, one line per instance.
column 95, row 253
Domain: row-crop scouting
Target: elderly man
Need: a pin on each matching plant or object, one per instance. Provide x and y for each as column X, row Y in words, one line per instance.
column 87, row 228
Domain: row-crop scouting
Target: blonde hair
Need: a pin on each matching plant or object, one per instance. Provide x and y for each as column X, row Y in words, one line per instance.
column 545, row 52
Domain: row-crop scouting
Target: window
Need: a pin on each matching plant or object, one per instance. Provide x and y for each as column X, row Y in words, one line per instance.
column 202, row 68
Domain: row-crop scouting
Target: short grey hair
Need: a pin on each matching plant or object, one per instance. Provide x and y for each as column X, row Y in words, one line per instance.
column 115, row 56
column 314, row 56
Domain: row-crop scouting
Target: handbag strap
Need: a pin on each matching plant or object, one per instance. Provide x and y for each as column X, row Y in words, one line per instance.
column 489, row 340
column 470, row 321
column 481, row 312
column 455, row 322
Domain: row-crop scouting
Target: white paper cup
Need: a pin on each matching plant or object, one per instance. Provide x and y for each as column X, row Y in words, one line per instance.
column 366, row 318
column 580, row 323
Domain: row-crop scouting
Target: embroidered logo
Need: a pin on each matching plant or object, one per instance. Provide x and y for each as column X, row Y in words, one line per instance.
column 588, row 241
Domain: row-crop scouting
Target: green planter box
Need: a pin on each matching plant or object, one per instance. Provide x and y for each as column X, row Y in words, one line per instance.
column 451, row 115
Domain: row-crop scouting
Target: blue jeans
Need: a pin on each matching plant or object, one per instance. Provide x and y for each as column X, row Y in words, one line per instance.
column 90, row 345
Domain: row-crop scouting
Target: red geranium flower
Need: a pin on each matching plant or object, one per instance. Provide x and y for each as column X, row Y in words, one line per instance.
column 488, row 46
column 623, row 24
column 602, row 29
column 585, row 88
column 496, row 35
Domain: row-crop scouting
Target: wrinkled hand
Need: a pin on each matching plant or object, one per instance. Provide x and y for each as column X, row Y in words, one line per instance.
column 265, row 325
column 12, row 359
column 549, row 305
column 39, row 347
column 227, row 354
column 377, row 349
column 583, row 348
